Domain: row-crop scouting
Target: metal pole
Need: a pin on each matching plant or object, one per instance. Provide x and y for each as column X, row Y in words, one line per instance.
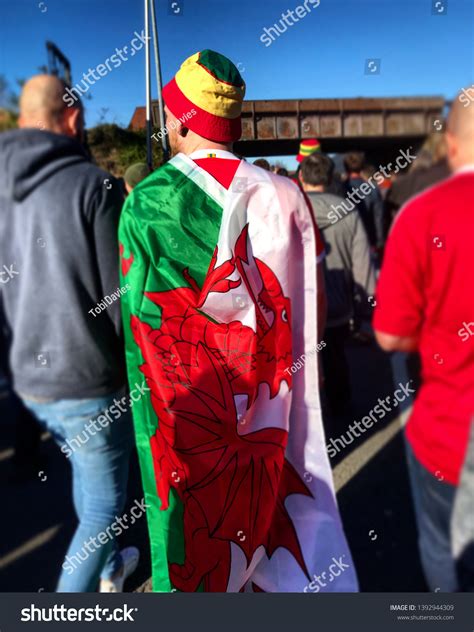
column 149, row 125
column 164, row 140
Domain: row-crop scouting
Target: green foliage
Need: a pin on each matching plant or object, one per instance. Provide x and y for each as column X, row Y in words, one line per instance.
column 115, row 149
column 8, row 100
column 8, row 120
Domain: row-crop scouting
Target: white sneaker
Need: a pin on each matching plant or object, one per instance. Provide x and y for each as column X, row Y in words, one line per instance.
column 130, row 557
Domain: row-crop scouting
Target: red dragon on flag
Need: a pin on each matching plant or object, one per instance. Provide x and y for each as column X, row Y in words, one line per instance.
column 233, row 482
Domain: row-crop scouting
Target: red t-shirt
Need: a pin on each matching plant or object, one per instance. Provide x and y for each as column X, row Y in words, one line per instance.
column 426, row 288
column 224, row 169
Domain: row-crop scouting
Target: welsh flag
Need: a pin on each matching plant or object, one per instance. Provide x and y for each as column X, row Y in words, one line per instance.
column 230, row 440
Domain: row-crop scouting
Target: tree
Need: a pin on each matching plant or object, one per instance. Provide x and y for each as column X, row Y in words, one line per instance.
column 8, row 105
column 114, row 148
column 103, row 115
column 8, row 99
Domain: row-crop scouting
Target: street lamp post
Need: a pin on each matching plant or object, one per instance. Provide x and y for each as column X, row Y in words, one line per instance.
column 164, row 138
column 149, row 123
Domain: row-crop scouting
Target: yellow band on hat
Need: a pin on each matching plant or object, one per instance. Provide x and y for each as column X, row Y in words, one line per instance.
column 207, row 92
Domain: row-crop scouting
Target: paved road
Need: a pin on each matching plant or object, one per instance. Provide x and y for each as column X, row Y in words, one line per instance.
column 370, row 475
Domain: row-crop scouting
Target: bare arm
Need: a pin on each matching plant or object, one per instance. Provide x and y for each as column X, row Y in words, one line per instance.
column 396, row 343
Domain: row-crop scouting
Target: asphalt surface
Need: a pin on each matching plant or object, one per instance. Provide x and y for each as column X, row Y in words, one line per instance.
column 370, row 476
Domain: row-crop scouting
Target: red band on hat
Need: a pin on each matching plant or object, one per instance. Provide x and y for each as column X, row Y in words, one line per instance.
column 207, row 125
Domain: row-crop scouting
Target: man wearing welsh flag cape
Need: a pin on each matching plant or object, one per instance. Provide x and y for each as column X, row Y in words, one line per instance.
column 222, row 322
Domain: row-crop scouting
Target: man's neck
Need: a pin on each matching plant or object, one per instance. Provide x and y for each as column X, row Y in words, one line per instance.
column 202, row 143
column 465, row 168
column 312, row 188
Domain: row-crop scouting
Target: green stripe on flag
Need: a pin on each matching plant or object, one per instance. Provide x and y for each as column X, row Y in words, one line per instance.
column 169, row 223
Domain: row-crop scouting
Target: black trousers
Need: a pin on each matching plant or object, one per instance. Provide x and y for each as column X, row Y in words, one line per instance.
column 336, row 370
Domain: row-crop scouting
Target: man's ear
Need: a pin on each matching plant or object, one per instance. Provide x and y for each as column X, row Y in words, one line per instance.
column 450, row 141
column 183, row 131
column 73, row 123
column 452, row 147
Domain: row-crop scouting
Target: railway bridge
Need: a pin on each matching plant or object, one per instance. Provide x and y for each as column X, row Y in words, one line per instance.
column 378, row 126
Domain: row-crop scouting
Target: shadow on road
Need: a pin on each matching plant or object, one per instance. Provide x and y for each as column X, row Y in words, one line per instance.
column 375, row 502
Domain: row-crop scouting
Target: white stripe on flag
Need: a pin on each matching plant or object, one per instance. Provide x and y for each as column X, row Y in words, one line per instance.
column 201, row 178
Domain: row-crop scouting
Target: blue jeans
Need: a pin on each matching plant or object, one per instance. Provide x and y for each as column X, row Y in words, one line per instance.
column 462, row 523
column 433, row 501
column 99, row 459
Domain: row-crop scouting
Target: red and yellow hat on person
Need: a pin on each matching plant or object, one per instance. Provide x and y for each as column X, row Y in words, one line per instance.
column 308, row 147
column 210, row 84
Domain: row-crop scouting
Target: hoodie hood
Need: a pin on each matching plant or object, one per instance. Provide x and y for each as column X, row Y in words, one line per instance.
column 30, row 156
column 323, row 204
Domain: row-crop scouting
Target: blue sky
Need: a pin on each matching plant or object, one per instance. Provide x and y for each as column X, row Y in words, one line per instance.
column 424, row 48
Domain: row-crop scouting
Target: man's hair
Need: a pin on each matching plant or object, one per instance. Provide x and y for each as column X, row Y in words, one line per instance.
column 368, row 170
column 317, row 170
column 43, row 96
column 354, row 161
column 136, row 173
column 262, row 163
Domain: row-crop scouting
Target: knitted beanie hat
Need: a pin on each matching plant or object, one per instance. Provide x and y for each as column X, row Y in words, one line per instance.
column 207, row 94
column 308, row 147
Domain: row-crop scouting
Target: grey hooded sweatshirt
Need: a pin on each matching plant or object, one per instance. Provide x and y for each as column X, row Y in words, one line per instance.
column 349, row 272
column 58, row 260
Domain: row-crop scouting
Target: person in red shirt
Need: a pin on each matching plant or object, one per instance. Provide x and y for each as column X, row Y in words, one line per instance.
column 425, row 303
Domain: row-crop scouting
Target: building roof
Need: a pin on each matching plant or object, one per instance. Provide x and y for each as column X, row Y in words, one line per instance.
column 138, row 120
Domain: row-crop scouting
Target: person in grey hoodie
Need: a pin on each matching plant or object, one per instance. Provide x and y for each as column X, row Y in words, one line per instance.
column 349, row 274
column 59, row 286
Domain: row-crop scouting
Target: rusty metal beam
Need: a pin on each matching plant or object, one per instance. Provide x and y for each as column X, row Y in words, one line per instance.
column 340, row 118
column 341, row 105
